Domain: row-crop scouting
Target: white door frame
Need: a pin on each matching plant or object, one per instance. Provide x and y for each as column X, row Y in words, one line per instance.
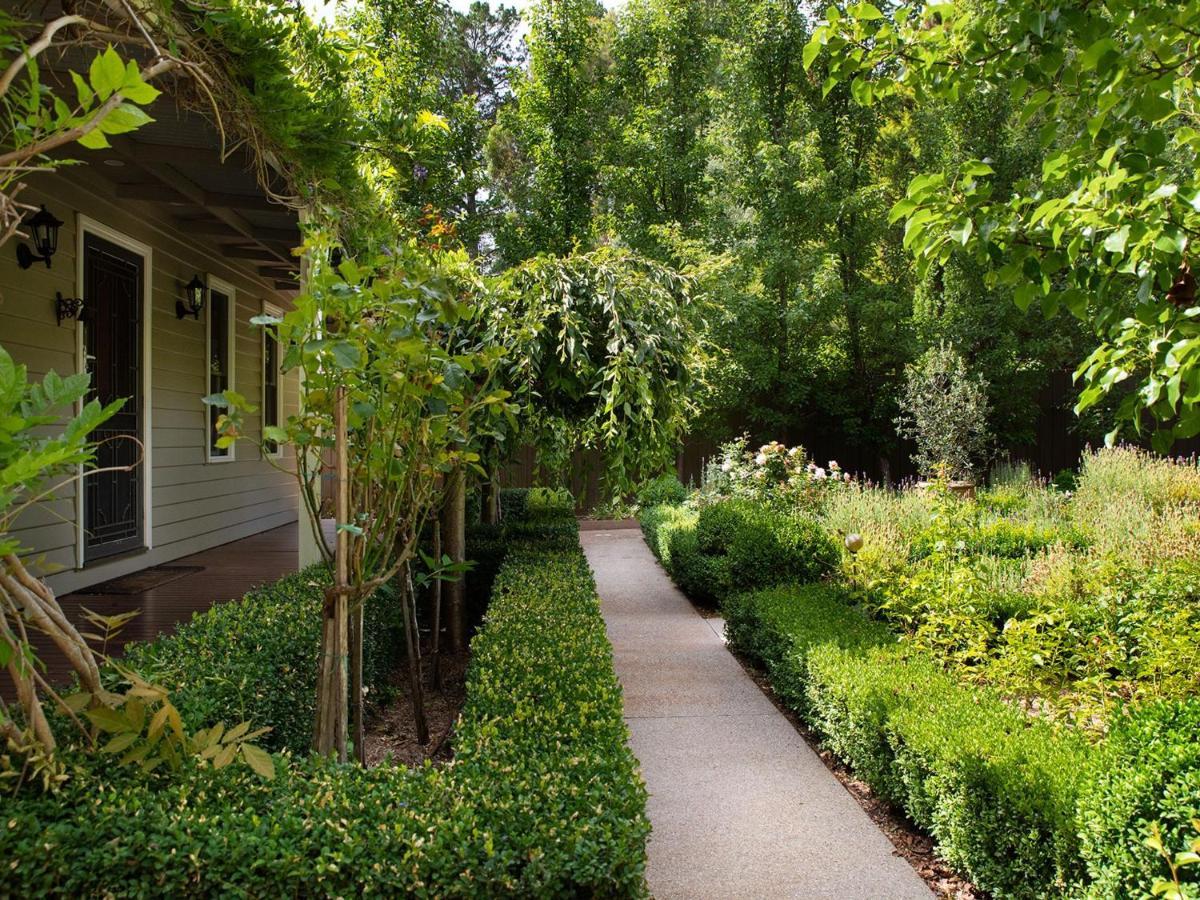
column 85, row 226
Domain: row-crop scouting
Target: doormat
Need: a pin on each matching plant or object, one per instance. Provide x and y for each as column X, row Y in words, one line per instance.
column 137, row 582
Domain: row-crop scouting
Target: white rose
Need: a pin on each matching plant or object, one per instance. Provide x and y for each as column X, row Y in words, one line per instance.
column 761, row 459
column 726, row 466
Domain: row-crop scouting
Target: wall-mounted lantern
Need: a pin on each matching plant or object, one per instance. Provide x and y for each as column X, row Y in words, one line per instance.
column 194, row 294
column 69, row 308
column 43, row 228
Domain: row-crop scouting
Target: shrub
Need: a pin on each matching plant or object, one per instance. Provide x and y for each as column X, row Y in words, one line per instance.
column 1148, row 772
column 513, row 502
column 543, row 502
column 735, row 545
column 255, row 658
column 944, row 411
column 778, row 627
column 996, row 790
column 665, row 489
column 774, row 548
column 543, row 797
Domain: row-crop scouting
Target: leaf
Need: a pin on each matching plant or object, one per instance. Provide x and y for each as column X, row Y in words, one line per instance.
column 120, row 742
column 107, row 73
column 1115, row 242
column 865, row 12
column 1092, row 56
column 77, row 703
column 259, row 760
column 345, row 355
column 108, row 719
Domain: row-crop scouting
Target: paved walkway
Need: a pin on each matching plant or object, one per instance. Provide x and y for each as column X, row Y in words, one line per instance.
column 741, row 806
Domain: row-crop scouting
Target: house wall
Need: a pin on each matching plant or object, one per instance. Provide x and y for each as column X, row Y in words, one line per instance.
column 193, row 504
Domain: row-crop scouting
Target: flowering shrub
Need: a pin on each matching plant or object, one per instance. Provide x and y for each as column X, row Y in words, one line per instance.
column 774, row 473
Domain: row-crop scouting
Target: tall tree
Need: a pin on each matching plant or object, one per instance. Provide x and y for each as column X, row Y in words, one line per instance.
column 544, row 152
column 664, row 56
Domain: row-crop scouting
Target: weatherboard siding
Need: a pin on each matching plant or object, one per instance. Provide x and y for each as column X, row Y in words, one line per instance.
column 195, row 504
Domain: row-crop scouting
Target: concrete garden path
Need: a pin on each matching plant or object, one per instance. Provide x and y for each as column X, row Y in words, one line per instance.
column 741, row 806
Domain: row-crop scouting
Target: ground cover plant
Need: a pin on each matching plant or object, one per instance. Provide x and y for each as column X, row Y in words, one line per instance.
column 1017, row 672
column 542, row 798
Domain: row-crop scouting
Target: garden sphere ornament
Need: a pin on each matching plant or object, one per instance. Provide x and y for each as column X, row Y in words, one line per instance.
column 854, row 542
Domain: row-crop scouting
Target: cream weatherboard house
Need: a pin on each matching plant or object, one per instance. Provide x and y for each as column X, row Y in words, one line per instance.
column 165, row 252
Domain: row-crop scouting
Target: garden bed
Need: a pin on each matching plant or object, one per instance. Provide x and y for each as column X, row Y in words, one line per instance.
column 542, row 796
column 1016, row 673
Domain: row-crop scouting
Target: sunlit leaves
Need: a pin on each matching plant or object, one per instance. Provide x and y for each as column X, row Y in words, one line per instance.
column 1109, row 91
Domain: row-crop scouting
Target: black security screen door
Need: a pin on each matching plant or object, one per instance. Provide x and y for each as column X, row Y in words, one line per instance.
column 112, row 289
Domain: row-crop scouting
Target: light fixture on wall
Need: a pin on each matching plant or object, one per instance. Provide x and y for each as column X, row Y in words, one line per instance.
column 43, row 228
column 194, row 294
column 69, row 308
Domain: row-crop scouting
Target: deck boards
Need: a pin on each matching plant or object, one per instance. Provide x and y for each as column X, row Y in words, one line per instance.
column 229, row 571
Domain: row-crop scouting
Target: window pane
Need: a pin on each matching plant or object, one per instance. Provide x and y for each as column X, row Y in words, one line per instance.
column 218, row 364
column 270, row 388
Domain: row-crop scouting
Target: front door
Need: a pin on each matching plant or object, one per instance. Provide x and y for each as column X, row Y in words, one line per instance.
column 112, row 501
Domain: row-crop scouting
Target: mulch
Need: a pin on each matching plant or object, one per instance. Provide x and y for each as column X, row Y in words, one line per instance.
column 391, row 736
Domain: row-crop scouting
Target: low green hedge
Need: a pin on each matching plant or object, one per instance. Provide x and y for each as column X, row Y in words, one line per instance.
column 513, row 502
column 255, row 659
column 737, row 545
column 997, row 790
column 664, row 489
column 1149, row 771
column 542, row 799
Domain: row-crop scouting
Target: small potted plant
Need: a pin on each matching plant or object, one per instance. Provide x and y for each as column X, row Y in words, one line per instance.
column 944, row 412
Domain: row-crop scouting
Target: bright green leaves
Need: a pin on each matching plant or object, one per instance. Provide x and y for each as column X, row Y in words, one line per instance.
column 1109, row 91
column 35, row 444
column 108, row 100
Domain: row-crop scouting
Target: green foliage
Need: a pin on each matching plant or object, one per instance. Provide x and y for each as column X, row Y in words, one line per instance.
column 1104, row 230
column 549, row 503
column 996, row 791
column 513, row 502
column 543, row 797
column 233, row 659
column 602, row 348
column 29, row 456
column 542, row 154
column 737, row 545
column 944, row 411
column 664, row 489
column 1149, row 772
column 393, row 339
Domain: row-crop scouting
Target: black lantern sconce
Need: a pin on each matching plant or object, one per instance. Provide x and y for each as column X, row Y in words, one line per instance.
column 43, row 228
column 69, row 308
column 194, row 294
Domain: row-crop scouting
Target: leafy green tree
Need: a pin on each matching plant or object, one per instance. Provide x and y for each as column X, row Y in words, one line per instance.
column 1104, row 229
column 664, row 57
column 544, row 152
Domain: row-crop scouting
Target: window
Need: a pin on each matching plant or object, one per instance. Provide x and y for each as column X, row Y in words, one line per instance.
column 272, row 383
column 221, row 314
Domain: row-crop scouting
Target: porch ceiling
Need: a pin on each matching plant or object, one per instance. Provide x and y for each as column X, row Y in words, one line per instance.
column 176, row 163
column 180, row 162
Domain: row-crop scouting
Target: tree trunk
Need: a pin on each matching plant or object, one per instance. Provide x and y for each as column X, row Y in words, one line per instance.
column 412, row 640
column 436, row 648
column 491, row 500
column 356, row 681
column 329, row 734
column 454, row 540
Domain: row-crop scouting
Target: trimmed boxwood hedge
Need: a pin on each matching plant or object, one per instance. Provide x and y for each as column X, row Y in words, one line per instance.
column 997, row 790
column 737, row 545
column 255, row 659
column 542, row 799
column 1148, row 771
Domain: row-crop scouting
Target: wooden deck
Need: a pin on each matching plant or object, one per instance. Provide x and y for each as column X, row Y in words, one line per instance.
column 228, row 572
